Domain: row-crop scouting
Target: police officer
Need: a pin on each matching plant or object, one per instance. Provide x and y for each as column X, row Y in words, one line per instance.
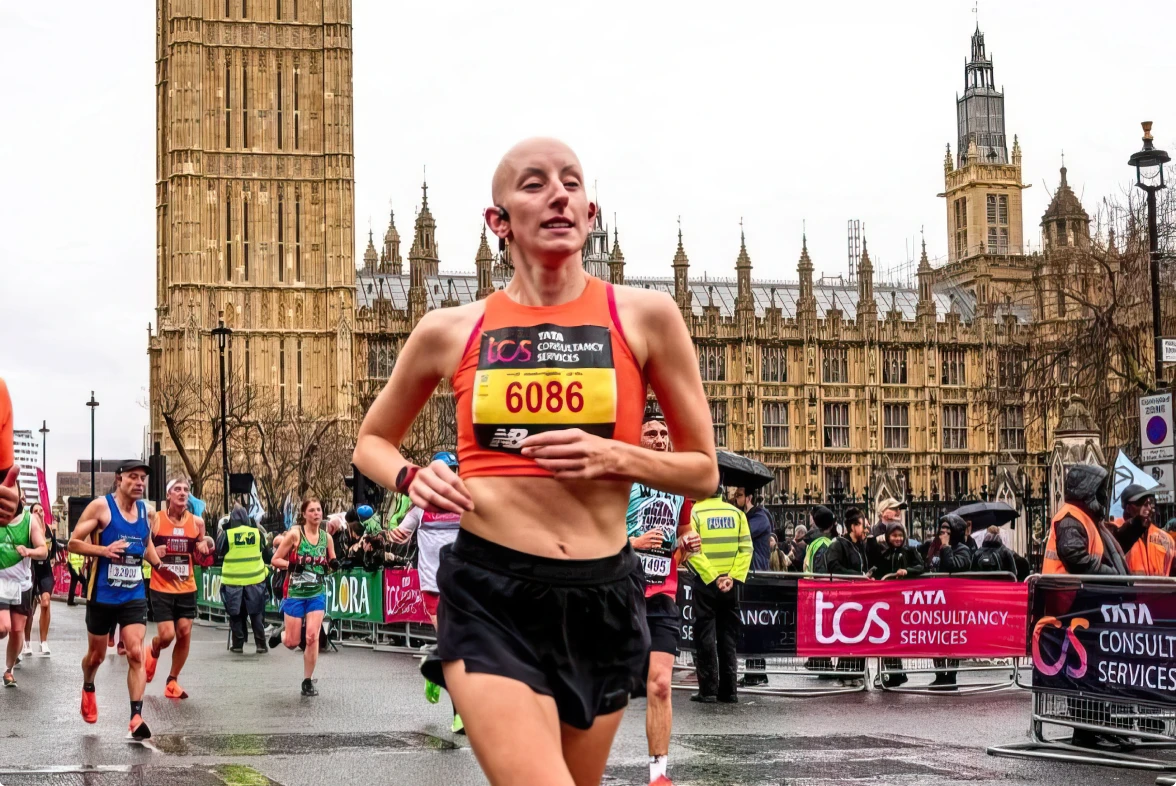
column 243, row 578
column 724, row 559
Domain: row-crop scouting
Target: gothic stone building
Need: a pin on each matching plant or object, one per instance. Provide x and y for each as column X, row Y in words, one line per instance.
column 254, row 195
column 826, row 381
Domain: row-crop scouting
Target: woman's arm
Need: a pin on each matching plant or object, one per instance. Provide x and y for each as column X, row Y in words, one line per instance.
column 280, row 560
column 428, row 356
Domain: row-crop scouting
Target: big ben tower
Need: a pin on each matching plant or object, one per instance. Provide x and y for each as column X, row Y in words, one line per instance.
column 254, row 201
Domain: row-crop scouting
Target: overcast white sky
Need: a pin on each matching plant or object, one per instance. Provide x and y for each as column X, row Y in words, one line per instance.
column 774, row 112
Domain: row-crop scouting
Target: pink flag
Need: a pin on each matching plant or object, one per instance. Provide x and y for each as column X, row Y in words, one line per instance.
column 43, row 487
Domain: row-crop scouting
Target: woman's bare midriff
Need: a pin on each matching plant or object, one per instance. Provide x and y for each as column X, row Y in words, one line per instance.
column 550, row 518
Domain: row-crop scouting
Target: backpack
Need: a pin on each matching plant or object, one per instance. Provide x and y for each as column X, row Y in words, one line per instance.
column 987, row 560
column 816, row 559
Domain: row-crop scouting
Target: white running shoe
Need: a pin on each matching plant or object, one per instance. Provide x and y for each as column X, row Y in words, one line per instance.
column 28, row 650
column 45, row 649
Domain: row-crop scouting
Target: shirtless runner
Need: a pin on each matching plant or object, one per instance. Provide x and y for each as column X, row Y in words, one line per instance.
column 542, row 633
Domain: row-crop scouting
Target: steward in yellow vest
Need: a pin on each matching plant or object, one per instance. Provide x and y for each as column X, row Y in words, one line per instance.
column 243, row 577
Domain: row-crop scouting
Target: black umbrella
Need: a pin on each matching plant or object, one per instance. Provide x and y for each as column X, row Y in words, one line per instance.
column 736, row 470
column 985, row 514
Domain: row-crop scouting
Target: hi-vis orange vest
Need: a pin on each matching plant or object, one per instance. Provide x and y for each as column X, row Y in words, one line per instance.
column 1151, row 556
column 1094, row 544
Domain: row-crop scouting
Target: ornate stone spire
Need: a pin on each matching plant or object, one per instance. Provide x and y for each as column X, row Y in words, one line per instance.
column 867, row 307
column 390, row 261
column 744, row 303
column 681, row 274
column 947, row 162
column 926, row 302
column 484, row 264
column 424, row 245
column 616, row 259
column 806, row 304
column 370, row 257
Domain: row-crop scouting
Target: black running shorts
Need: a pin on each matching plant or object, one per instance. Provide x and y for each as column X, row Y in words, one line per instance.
column 665, row 624
column 42, row 578
column 23, row 605
column 101, row 618
column 570, row 629
column 172, row 606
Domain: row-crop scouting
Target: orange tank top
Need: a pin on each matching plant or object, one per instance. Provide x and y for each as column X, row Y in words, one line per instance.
column 530, row 369
column 180, row 540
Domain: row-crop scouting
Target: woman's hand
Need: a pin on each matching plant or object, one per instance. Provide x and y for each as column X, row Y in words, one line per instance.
column 437, row 488
column 572, row 454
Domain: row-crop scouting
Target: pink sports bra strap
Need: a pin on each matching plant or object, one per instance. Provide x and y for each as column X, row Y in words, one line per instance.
column 473, row 334
column 612, row 310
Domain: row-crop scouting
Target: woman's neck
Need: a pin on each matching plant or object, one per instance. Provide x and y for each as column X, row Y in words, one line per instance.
column 534, row 284
column 313, row 527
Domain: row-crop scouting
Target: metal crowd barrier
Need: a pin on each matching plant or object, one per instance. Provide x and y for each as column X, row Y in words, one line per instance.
column 1131, row 725
column 904, row 667
column 806, row 677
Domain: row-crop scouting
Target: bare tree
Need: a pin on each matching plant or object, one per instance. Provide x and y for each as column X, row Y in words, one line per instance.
column 435, row 428
column 191, row 414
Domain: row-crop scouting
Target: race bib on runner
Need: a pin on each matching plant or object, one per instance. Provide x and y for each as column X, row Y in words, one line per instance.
column 126, row 573
column 181, row 570
column 656, row 569
column 543, row 378
column 657, row 511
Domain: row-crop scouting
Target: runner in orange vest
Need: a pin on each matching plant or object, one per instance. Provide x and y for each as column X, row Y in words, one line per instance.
column 1078, row 541
column 1148, row 549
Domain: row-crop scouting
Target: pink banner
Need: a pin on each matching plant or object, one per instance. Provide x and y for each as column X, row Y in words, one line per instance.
column 43, row 489
column 60, row 580
column 927, row 618
column 402, row 597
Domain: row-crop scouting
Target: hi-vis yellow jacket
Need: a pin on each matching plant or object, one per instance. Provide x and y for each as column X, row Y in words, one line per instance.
column 726, row 540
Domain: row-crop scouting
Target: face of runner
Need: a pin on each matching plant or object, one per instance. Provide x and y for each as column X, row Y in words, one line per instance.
column 37, row 510
column 177, row 495
column 541, row 184
column 133, row 484
column 314, row 513
column 655, row 436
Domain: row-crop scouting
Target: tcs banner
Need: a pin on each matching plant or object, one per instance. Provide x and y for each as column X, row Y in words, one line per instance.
column 928, row 618
column 1117, row 642
column 402, row 597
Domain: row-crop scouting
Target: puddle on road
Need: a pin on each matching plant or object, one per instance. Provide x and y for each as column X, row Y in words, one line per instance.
column 138, row 775
column 293, row 744
column 769, row 760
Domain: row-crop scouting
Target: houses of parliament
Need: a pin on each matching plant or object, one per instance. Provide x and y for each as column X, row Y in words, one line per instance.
column 822, row 380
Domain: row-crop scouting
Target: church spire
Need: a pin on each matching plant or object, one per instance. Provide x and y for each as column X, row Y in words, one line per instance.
column 806, row 304
column 616, row 260
column 424, row 245
column 484, row 263
column 867, row 307
column 681, row 274
column 926, row 304
column 390, row 261
column 744, row 303
column 370, row 258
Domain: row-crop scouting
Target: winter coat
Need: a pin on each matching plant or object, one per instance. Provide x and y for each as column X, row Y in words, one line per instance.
column 1075, row 554
column 904, row 557
column 956, row 557
column 760, row 523
column 847, row 558
column 798, row 547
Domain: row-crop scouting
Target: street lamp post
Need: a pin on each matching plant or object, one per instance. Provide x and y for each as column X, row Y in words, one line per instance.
column 1149, row 166
column 222, row 334
column 44, row 461
column 93, row 405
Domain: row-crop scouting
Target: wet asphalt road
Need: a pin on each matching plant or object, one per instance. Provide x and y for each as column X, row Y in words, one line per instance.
column 246, row 725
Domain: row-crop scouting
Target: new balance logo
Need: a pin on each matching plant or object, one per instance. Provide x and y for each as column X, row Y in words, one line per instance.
column 508, row 438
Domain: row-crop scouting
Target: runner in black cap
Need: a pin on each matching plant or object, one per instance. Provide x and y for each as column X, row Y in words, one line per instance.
column 116, row 531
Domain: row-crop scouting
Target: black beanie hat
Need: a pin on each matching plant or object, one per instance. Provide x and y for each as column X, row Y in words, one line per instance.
column 823, row 518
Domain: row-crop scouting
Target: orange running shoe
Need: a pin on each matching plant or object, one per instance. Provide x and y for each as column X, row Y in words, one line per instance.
column 149, row 664
column 89, row 706
column 139, row 729
column 174, row 691
column 662, row 780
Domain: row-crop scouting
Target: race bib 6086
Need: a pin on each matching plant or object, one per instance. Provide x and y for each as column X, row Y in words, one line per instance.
column 543, row 378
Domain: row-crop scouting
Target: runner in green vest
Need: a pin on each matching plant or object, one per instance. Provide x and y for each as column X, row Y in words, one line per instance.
column 20, row 543
column 243, row 577
column 309, row 554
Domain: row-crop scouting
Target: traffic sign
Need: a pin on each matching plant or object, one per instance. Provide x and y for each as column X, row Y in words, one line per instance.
column 1155, row 428
column 1168, row 350
column 1163, row 475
